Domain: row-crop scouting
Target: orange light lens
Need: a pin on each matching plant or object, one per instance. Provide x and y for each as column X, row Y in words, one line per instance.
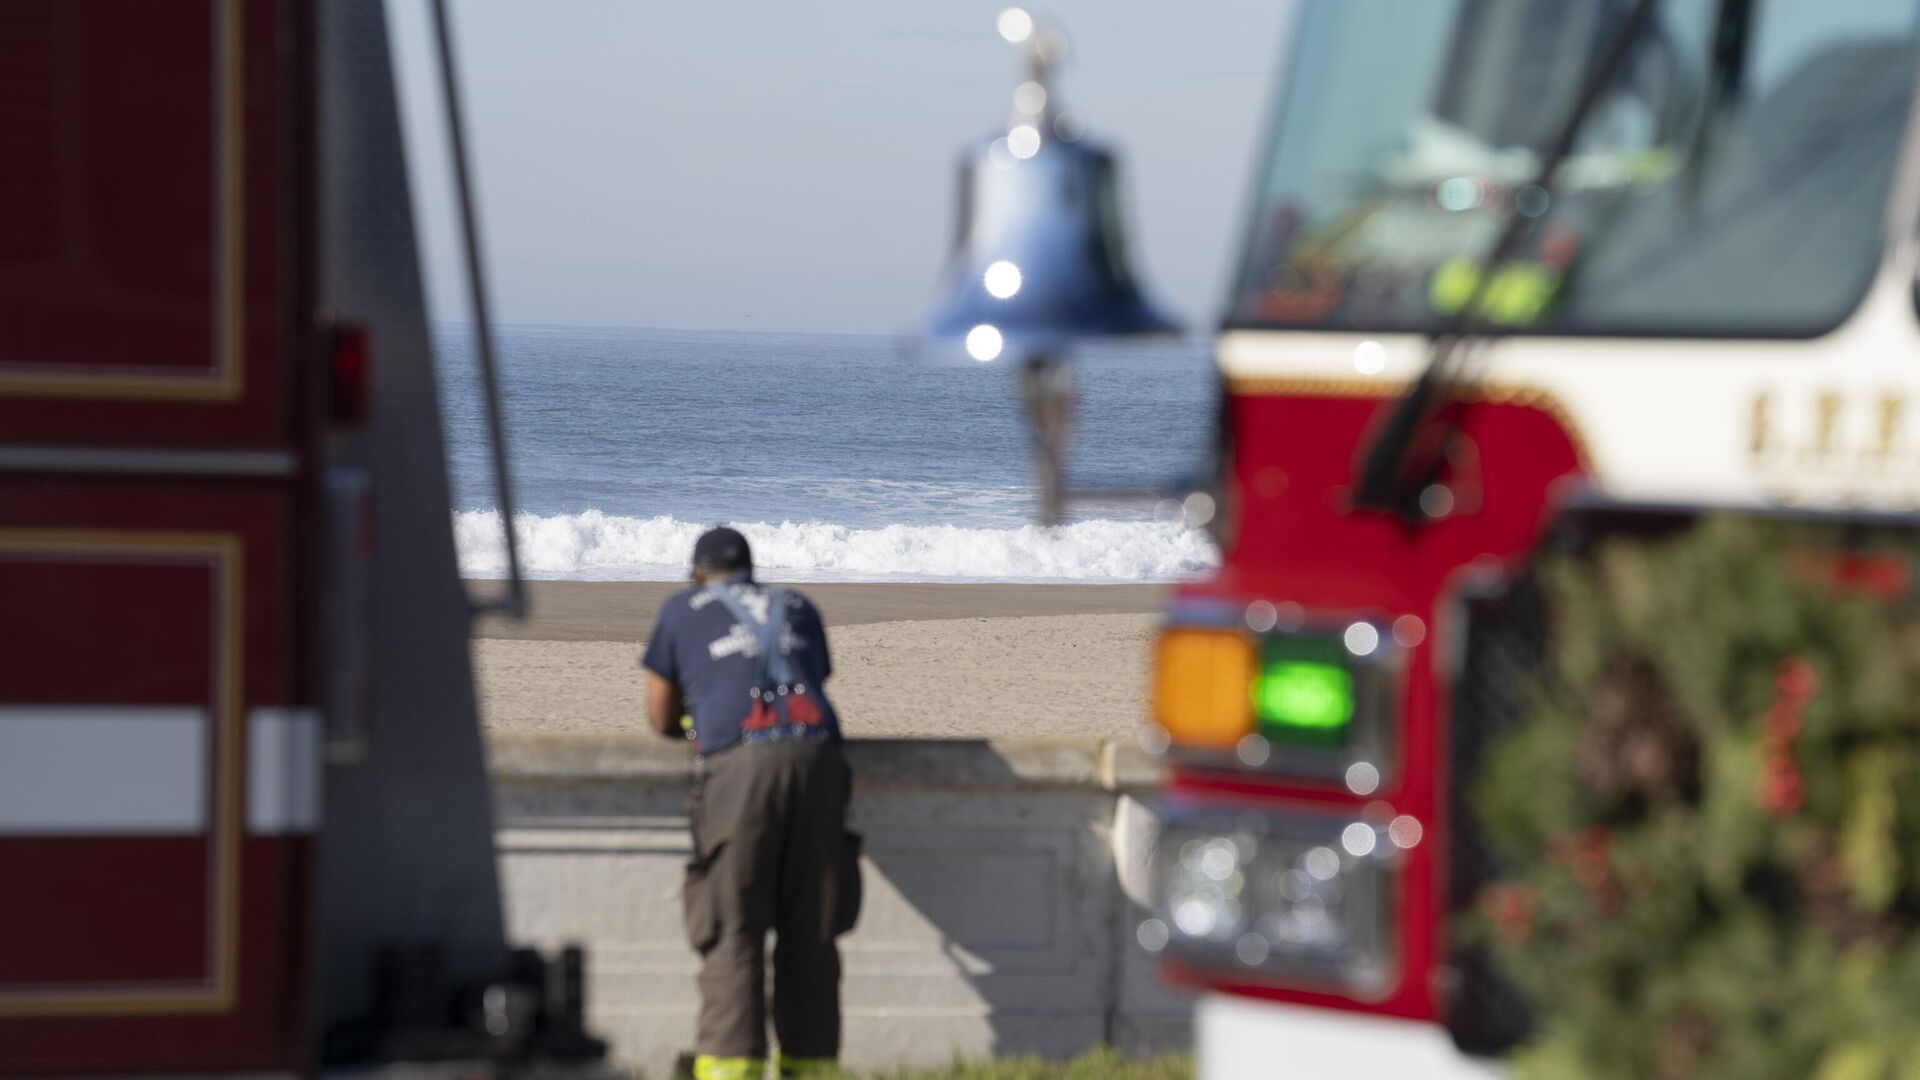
column 1201, row 681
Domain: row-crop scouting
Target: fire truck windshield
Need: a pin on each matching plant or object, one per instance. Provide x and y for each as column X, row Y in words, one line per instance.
column 1732, row 180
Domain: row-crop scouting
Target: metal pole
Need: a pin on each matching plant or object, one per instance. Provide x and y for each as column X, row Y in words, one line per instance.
column 514, row 603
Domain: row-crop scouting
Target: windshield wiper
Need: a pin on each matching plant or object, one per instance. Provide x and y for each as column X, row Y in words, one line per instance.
column 1391, row 478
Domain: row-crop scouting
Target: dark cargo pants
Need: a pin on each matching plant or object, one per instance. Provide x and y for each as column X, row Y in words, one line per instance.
column 771, row 853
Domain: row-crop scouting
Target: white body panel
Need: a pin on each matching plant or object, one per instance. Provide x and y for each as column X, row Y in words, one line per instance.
column 1830, row 423
column 1242, row 1039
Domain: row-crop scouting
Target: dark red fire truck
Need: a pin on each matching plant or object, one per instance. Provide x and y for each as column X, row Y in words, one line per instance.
column 244, row 823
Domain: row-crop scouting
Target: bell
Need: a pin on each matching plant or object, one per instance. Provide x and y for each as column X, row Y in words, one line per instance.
column 1039, row 256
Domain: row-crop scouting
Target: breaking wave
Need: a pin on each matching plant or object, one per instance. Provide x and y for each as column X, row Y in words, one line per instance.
column 597, row 546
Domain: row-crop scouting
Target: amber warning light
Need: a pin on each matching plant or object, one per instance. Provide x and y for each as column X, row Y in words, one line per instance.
column 1310, row 702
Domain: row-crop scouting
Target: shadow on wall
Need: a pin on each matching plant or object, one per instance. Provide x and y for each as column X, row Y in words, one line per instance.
column 996, row 920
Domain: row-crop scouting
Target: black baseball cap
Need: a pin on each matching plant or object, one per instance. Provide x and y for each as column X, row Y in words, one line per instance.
column 722, row 551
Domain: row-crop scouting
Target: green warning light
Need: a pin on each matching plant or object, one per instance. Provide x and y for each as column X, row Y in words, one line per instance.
column 1304, row 696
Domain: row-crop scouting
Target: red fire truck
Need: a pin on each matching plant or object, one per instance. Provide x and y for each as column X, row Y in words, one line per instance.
column 244, row 823
column 1511, row 266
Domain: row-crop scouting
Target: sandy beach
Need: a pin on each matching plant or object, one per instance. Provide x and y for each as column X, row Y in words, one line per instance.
column 910, row 660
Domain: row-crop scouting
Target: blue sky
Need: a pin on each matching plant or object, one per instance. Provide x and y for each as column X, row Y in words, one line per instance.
column 780, row 166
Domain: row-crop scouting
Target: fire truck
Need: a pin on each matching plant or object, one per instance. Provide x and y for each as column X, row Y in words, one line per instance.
column 244, row 821
column 1511, row 267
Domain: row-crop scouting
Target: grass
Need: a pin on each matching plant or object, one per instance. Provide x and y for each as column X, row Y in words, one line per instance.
column 1102, row 1064
column 1099, row 1065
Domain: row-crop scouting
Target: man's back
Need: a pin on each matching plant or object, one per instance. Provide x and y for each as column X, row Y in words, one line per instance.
column 708, row 641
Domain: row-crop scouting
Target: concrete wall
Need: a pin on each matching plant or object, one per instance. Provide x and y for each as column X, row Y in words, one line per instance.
column 998, row 917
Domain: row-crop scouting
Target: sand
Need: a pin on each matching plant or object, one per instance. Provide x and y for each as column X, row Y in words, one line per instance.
column 624, row 610
column 928, row 661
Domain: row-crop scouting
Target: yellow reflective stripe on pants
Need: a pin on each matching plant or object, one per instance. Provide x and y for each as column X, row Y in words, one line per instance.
column 793, row 1068
column 708, row 1067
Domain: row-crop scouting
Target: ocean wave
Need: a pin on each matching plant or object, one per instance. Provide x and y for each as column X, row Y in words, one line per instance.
column 592, row 545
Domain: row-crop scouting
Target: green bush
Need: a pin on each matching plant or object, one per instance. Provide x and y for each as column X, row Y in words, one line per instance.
column 1710, row 813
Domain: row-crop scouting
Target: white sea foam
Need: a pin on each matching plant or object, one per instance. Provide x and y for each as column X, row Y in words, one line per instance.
column 597, row 546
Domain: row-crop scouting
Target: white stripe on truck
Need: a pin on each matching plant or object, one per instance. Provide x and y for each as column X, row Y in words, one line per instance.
column 108, row 770
column 283, row 771
column 1241, row 1039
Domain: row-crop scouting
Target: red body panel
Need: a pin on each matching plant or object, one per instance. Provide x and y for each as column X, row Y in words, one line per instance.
column 141, row 224
column 143, row 901
column 1293, row 458
column 150, row 952
column 263, row 1030
column 150, row 300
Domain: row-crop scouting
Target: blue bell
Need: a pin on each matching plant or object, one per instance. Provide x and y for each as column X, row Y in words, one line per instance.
column 1039, row 257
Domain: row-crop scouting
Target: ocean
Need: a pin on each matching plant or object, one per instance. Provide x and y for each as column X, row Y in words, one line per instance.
column 842, row 458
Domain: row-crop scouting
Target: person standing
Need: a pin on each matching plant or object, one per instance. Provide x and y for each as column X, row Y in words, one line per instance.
column 739, row 670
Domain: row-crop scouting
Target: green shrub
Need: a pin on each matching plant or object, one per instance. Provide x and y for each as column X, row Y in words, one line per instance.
column 1710, row 814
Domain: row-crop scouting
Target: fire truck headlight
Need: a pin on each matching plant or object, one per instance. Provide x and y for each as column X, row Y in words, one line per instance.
column 1292, row 899
column 1205, row 890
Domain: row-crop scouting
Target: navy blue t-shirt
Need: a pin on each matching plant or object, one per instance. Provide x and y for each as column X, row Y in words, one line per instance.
column 697, row 646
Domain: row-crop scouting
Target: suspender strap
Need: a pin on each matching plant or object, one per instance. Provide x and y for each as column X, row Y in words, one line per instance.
column 770, row 636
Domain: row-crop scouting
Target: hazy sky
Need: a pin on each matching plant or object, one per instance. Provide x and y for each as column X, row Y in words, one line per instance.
column 757, row 165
